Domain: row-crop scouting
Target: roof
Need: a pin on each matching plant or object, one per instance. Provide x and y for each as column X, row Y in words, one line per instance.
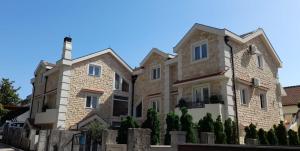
column 102, row 52
column 235, row 37
column 44, row 64
column 292, row 97
column 157, row 51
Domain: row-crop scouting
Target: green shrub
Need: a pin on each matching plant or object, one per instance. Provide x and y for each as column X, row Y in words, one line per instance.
column 228, row 131
column 272, row 139
column 299, row 132
column 187, row 125
column 235, row 136
column 96, row 129
column 206, row 124
column 262, row 137
column 172, row 121
column 152, row 122
column 251, row 131
column 281, row 134
column 293, row 138
column 182, row 103
column 214, row 99
column 219, row 131
column 129, row 122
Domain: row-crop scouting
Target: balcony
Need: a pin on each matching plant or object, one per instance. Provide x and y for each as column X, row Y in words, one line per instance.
column 48, row 117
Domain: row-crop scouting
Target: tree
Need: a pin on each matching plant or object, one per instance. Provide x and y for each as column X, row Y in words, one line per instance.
column 187, row 125
column 234, row 133
column 251, row 131
column 281, row 134
column 219, row 131
column 293, row 138
column 272, row 139
column 172, row 121
column 96, row 129
column 8, row 94
column 152, row 122
column 228, row 131
column 2, row 111
column 206, row 124
column 262, row 137
column 129, row 122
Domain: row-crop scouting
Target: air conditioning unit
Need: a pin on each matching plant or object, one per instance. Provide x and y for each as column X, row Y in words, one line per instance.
column 255, row 82
column 252, row 49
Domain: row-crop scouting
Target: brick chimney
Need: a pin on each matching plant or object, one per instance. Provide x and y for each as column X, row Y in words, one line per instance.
column 67, row 49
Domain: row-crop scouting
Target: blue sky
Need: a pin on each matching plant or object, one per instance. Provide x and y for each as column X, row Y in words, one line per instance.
column 31, row 31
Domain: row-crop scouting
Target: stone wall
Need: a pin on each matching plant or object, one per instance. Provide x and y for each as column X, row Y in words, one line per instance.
column 81, row 80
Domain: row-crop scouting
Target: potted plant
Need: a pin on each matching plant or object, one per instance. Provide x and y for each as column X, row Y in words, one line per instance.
column 251, row 135
column 215, row 99
column 206, row 130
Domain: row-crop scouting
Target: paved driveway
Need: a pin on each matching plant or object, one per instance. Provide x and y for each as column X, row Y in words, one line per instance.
column 4, row 147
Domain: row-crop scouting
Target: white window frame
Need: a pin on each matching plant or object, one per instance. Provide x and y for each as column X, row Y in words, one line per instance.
column 201, row 87
column 260, row 61
column 265, row 101
column 156, row 101
column 246, row 95
column 94, row 65
column 199, row 44
column 92, row 95
column 151, row 71
column 112, row 107
column 121, row 82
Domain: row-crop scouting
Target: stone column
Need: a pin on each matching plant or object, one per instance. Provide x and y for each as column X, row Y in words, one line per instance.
column 138, row 139
column 109, row 137
column 32, row 139
column 42, row 143
column 177, row 138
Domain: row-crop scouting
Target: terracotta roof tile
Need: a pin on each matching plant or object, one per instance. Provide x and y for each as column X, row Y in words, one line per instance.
column 292, row 97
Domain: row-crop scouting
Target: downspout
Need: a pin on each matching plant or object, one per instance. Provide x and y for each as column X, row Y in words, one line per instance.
column 32, row 100
column 226, row 39
column 44, row 95
column 133, row 79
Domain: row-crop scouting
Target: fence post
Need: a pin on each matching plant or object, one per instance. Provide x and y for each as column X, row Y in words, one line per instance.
column 138, row 139
column 177, row 137
column 108, row 137
column 42, row 143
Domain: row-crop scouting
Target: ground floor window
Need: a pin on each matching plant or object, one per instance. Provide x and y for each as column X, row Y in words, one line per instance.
column 201, row 94
column 154, row 105
column 120, row 105
column 91, row 101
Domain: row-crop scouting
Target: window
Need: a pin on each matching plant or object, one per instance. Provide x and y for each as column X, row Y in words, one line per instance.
column 120, row 105
column 91, row 102
column 260, row 61
column 155, row 72
column 243, row 95
column 121, row 84
column 138, row 110
column 201, row 94
column 263, row 101
column 155, row 105
column 94, row 70
column 200, row 51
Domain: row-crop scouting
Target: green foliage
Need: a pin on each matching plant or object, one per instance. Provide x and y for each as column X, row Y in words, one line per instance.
column 293, row 138
column 206, row 124
column 187, row 125
column 152, row 122
column 235, row 136
column 96, row 129
column 281, row 134
column 8, row 94
column 2, row 111
column 251, row 131
column 228, row 130
column 219, row 131
column 172, row 121
column 182, row 103
column 129, row 122
column 299, row 132
column 272, row 139
column 262, row 137
column 214, row 99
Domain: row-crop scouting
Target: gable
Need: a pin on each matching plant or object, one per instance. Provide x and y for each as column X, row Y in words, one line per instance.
column 155, row 51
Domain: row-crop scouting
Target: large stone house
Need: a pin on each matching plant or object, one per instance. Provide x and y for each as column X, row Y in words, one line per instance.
column 290, row 107
column 101, row 86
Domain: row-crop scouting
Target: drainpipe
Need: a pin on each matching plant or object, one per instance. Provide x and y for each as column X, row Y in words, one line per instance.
column 32, row 100
column 133, row 79
column 226, row 39
column 44, row 95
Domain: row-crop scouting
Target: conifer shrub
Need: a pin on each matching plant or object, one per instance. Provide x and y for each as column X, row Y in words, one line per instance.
column 206, row 124
column 235, row 136
column 293, row 138
column 272, row 139
column 152, row 122
column 228, row 131
column 172, row 121
column 251, row 131
column 129, row 122
column 262, row 137
column 219, row 131
column 281, row 134
column 187, row 125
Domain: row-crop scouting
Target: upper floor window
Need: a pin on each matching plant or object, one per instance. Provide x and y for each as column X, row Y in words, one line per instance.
column 260, row 61
column 91, row 101
column 243, row 96
column 263, row 101
column 121, row 84
column 200, row 51
column 200, row 94
column 94, row 70
column 120, row 105
column 155, row 72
